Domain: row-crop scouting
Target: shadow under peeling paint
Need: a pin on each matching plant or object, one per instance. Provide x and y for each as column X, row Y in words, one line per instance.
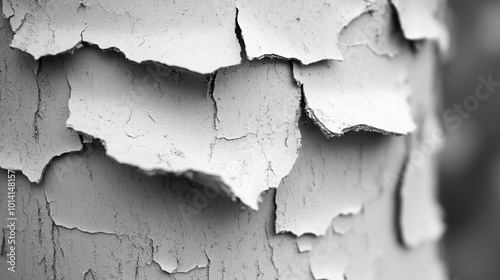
column 168, row 127
column 33, row 110
column 237, row 131
column 121, row 223
column 335, row 177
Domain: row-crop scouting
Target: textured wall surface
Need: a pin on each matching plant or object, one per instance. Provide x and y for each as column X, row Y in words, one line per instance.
column 221, row 139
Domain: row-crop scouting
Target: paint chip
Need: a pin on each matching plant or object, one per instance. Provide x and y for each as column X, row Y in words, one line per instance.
column 246, row 139
column 301, row 30
column 420, row 20
column 198, row 36
column 355, row 95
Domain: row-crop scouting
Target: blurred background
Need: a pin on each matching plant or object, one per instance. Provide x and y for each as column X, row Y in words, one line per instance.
column 470, row 161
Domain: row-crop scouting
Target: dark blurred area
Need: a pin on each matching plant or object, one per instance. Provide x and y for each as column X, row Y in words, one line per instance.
column 470, row 162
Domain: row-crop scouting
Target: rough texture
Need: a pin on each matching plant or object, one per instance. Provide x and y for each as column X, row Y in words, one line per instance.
column 356, row 95
column 93, row 214
column 369, row 249
column 33, row 109
column 222, row 33
column 307, row 31
column 332, row 178
column 159, row 31
column 146, row 198
column 166, row 32
column 158, row 223
column 240, row 129
column 378, row 28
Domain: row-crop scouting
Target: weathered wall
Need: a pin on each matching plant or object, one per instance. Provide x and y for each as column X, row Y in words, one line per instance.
column 256, row 140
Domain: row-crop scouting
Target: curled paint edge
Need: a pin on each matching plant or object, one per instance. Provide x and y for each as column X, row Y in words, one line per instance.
column 353, row 128
column 207, row 180
column 441, row 37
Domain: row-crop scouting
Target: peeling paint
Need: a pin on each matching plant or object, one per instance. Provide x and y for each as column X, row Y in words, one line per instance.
column 305, row 242
column 171, row 37
column 110, row 219
column 332, row 178
column 164, row 32
column 421, row 217
column 301, row 30
column 420, row 20
column 33, row 109
column 147, row 213
column 258, row 107
column 217, row 108
column 356, row 95
column 170, row 128
column 370, row 250
column 378, row 28
column 304, row 31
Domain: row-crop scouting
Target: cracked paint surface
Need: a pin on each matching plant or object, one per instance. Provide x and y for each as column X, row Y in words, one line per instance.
column 378, row 28
column 333, row 177
column 144, row 31
column 241, row 129
column 116, row 222
column 109, row 219
column 355, row 95
column 369, row 249
column 146, row 198
column 306, row 31
column 151, row 216
column 172, row 37
column 32, row 112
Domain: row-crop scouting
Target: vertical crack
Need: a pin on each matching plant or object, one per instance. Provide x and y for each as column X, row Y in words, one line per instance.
column 37, row 115
column 53, row 233
column 239, row 36
column 398, row 192
column 211, row 88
